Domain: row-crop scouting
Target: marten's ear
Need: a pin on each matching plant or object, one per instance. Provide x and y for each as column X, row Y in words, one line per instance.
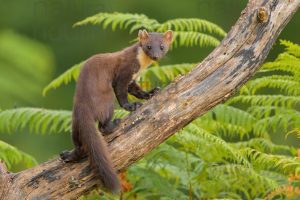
column 143, row 35
column 168, row 36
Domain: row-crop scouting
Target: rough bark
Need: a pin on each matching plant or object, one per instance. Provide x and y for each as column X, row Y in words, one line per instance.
column 214, row 80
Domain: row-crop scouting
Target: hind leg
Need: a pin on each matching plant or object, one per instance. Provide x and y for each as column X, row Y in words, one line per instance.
column 77, row 153
column 105, row 110
column 71, row 156
column 106, row 124
column 109, row 126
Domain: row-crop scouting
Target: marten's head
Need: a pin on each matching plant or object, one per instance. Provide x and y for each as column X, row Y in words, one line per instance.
column 155, row 45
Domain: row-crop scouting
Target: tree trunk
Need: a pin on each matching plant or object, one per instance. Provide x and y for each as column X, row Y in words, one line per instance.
column 213, row 81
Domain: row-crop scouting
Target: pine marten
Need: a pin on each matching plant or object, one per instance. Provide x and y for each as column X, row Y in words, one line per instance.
column 102, row 77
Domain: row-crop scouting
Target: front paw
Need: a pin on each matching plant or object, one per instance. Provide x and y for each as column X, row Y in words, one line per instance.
column 154, row 91
column 132, row 106
column 149, row 95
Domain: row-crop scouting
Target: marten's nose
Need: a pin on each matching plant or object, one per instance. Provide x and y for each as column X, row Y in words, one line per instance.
column 155, row 57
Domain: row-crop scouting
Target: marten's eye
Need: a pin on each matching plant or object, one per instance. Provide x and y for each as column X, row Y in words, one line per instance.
column 149, row 47
column 162, row 47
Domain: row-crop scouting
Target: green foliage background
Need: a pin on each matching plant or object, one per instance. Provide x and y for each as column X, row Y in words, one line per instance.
column 248, row 144
column 50, row 23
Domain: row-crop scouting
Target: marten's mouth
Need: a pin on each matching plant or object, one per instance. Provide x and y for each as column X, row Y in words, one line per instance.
column 154, row 58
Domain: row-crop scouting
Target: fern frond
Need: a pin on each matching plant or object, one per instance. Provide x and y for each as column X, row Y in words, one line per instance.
column 230, row 122
column 12, row 156
column 274, row 118
column 282, row 164
column 187, row 31
column 291, row 47
column 40, row 121
column 121, row 20
column 190, row 38
column 288, row 65
column 230, row 131
column 262, row 145
column 36, row 119
column 230, row 114
column 157, row 188
column 285, row 56
column 285, row 84
column 279, row 121
column 266, row 100
column 295, row 131
column 245, row 179
column 192, row 134
column 135, row 22
column 191, row 24
column 171, row 161
column 64, row 78
column 163, row 75
column 261, row 112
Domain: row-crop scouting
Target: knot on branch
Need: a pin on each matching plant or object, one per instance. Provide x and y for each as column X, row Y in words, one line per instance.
column 262, row 15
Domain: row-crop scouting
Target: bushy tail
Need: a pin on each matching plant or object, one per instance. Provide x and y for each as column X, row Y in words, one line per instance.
column 96, row 148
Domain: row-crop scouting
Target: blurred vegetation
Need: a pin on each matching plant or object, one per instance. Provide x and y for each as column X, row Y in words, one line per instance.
column 243, row 154
column 25, row 65
column 228, row 152
column 50, row 23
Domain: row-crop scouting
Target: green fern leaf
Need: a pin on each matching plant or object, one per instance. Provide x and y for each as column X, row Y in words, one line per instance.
column 36, row 119
column 65, row 78
column 193, row 133
column 191, row 24
column 163, row 75
column 121, row 20
column 285, row 84
column 266, row 100
column 291, row 48
column 230, row 122
column 40, row 121
column 280, row 163
column 190, row 38
column 12, row 156
column 240, row 177
column 283, row 122
column 188, row 32
column 285, row 63
column 262, row 145
column 295, row 131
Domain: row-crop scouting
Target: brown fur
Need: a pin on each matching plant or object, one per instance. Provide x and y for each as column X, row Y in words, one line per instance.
column 102, row 77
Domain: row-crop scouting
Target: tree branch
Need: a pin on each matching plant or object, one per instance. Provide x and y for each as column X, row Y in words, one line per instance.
column 3, row 170
column 213, row 81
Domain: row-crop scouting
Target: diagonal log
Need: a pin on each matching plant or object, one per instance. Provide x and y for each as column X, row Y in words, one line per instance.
column 214, row 80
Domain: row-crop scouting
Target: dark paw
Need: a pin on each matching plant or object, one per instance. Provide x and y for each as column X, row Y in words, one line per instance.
column 117, row 121
column 106, row 130
column 65, row 156
column 154, row 91
column 132, row 106
column 150, row 94
column 146, row 96
column 68, row 156
column 110, row 127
